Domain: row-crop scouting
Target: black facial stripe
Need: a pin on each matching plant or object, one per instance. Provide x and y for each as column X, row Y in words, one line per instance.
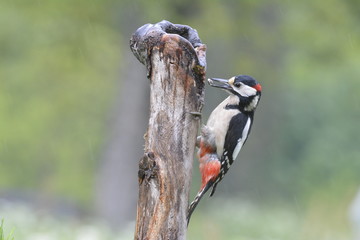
column 231, row 106
column 244, row 102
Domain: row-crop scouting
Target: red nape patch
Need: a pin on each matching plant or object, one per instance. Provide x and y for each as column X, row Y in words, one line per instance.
column 257, row 87
column 209, row 168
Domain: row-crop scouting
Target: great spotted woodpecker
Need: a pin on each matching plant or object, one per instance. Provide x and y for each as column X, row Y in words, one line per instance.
column 226, row 131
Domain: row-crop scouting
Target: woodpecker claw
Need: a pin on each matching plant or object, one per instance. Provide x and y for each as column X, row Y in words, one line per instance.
column 197, row 143
column 197, row 115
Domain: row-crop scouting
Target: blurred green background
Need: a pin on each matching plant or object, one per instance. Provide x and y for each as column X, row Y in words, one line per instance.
column 73, row 111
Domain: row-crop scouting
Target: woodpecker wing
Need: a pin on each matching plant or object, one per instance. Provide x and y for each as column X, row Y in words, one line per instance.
column 239, row 129
column 236, row 136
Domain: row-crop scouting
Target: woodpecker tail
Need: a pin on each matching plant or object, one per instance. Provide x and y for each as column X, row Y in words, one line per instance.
column 213, row 189
column 197, row 199
column 209, row 166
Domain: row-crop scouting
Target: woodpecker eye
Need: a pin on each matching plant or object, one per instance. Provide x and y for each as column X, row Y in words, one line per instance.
column 237, row 84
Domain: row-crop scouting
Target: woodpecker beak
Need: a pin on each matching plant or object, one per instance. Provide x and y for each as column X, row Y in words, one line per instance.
column 219, row 83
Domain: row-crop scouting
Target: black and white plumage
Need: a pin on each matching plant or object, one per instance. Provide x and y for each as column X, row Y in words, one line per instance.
column 226, row 131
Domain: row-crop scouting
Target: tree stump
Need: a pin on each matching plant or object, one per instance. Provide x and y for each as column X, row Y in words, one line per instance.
column 175, row 60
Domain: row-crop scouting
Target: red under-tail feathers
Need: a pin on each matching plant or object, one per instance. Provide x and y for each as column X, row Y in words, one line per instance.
column 209, row 169
column 209, row 164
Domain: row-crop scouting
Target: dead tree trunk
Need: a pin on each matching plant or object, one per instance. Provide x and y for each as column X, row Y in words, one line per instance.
column 175, row 60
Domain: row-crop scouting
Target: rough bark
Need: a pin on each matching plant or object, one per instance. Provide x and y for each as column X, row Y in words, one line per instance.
column 175, row 60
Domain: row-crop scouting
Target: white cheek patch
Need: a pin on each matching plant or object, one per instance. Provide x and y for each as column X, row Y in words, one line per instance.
column 252, row 104
column 246, row 91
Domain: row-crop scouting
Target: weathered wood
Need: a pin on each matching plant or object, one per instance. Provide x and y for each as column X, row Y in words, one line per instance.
column 175, row 59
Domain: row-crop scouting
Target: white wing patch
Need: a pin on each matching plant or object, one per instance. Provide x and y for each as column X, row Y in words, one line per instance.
column 242, row 140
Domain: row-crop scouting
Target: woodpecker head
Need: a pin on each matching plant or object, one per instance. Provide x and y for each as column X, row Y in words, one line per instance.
column 246, row 88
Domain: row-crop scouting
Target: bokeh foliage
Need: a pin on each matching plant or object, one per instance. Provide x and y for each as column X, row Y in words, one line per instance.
column 59, row 64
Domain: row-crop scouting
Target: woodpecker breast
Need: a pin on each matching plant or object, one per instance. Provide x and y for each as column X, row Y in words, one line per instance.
column 219, row 120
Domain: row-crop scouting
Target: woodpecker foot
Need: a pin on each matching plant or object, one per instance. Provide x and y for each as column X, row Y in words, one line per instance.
column 197, row 115
column 197, row 143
